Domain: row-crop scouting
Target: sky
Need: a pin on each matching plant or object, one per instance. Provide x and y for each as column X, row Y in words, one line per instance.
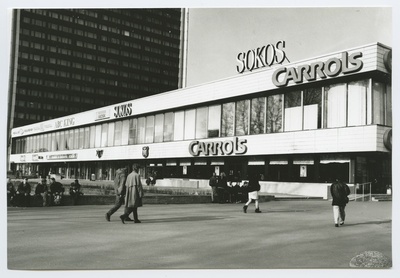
column 216, row 36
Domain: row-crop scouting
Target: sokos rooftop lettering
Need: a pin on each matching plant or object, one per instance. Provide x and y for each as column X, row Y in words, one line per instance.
column 331, row 68
column 228, row 147
column 261, row 57
column 123, row 110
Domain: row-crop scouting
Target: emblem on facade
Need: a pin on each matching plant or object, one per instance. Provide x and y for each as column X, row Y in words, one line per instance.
column 145, row 152
column 99, row 153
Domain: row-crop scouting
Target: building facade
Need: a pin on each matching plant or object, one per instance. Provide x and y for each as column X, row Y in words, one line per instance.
column 66, row 61
column 300, row 126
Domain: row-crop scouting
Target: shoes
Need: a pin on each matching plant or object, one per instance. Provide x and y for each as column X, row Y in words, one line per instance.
column 107, row 217
column 336, row 225
column 245, row 209
column 341, row 223
column 122, row 219
column 137, row 221
column 128, row 219
column 257, row 210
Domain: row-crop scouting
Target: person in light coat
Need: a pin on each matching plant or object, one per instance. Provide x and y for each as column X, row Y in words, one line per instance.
column 134, row 194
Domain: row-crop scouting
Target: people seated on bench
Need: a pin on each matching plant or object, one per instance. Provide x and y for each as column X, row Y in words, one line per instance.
column 56, row 192
column 75, row 191
column 10, row 193
column 41, row 192
column 23, row 194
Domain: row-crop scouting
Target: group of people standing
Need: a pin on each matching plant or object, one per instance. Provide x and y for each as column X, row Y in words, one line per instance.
column 234, row 190
column 50, row 195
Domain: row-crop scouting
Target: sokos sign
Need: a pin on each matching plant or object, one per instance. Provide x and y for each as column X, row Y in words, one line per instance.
column 331, row 68
column 228, row 147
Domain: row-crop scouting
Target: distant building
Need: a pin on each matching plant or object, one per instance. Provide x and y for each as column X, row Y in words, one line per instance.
column 66, row 61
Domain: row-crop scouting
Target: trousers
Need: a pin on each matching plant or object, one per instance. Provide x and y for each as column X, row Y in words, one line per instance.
column 129, row 210
column 339, row 214
column 119, row 201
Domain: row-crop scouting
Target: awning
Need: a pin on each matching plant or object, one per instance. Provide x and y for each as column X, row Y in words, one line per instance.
column 326, row 159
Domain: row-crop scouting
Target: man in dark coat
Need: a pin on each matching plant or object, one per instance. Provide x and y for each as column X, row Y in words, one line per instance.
column 23, row 193
column 41, row 192
column 75, row 191
column 10, row 192
column 56, row 192
column 134, row 194
column 339, row 192
column 120, row 191
column 213, row 183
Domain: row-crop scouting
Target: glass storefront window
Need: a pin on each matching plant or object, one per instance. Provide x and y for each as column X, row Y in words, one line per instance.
column 97, row 142
column 81, row 138
column 293, row 111
column 389, row 105
column 92, row 136
column 57, row 141
column 378, row 103
column 158, row 128
column 141, row 130
column 274, row 113
column 149, row 129
column 168, row 127
column 76, row 139
column 125, row 132
column 312, row 108
column 62, row 141
column 132, row 131
column 104, row 135
column 190, row 124
column 118, row 133
column 357, row 103
column 257, row 116
column 179, row 123
column 111, row 134
column 214, row 121
column 242, row 117
column 228, row 118
column 201, row 122
column 335, row 99
column 87, row 137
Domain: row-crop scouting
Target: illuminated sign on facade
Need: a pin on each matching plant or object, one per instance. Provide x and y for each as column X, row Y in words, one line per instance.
column 228, row 147
column 64, row 123
column 331, row 68
column 260, row 57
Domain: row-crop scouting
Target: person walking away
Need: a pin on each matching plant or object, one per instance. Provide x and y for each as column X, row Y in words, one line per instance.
column 134, row 194
column 10, row 193
column 339, row 192
column 56, row 192
column 23, row 193
column 41, row 191
column 119, row 190
column 253, row 188
column 213, row 183
column 75, row 191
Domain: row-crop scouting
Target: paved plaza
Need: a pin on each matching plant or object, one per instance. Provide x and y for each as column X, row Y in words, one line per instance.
column 286, row 235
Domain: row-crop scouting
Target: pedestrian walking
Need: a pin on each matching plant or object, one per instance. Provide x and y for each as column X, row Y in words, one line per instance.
column 41, row 191
column 340, row 192
column 134, row 194
column 222, row 188
column 214, row 183
column 119, row 190
column 253, row 188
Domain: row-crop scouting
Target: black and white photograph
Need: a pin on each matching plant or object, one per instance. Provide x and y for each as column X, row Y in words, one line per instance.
column 204, row 138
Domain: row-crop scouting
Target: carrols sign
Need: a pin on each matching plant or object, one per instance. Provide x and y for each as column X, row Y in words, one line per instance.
column 228, row 147
column 331, row 68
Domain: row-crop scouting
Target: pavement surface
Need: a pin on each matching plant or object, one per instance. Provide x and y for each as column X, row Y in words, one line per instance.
column 293, row 234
